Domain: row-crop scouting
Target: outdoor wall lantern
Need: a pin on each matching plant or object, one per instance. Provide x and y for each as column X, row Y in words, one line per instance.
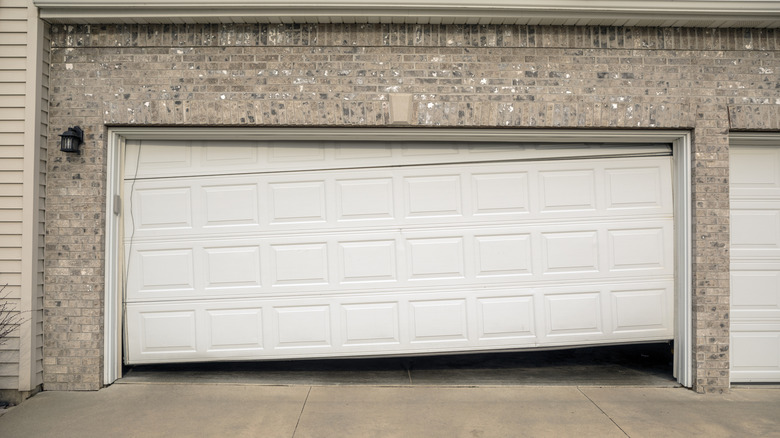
column 71, row 139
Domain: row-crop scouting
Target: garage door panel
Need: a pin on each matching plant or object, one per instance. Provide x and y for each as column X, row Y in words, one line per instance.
column 324, row 264
column 570, row 252
column 183, row 158
column 292, row 151
column 366, row 324
column 500, row 193
column 283, row 262
column 503, row 255
column 755, row 292
column 436, row 258
column 569, row 314
column 227, row 205
column 442, row 320
column 635, row 188
column 162, row 208
column 640, row 310
column 223, row 154
column 158, row 158
column 508, row 317
column 299, row 264
column 368, row 261
column 353, row 199
column 639, row 249
column 755, row 264
column 232, row 266
column 755, row 351
column 168, row 332
column 302, row 327
column 433, row 196
column 297, row 202
column 239, row 329
column 165, row 269
column 361, row 199
column 755, row 169
column 754, row 229
column 391, row 322
column 567, row 190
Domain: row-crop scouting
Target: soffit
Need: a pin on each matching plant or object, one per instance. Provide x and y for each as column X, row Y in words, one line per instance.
column 664, row 13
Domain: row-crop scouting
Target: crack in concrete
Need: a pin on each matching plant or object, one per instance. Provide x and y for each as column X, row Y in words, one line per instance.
column 301, row 413
column 602, row 411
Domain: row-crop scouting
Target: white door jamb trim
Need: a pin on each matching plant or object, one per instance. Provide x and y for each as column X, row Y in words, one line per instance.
column 681, row 141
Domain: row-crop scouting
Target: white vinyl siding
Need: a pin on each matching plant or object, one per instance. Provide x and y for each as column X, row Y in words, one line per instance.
column 22, row 142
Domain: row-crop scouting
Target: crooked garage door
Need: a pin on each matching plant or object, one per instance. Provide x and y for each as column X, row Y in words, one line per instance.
column 755, row 264
column 289, row 249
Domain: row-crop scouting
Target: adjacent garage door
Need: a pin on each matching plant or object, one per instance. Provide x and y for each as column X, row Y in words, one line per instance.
column 289, row 249
column 755, row 264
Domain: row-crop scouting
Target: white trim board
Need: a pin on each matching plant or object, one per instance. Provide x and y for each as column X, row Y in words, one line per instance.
column 665, row 13
column 681, row 152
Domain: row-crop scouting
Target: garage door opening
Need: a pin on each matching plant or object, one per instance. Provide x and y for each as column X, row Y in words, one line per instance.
column 648, row 365
column 281, row 249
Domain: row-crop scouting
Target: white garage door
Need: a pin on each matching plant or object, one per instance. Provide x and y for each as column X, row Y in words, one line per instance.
column 285, row 249
column 755, row 264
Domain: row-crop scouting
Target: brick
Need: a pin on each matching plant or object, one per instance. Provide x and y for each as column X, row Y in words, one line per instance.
column 707, row 81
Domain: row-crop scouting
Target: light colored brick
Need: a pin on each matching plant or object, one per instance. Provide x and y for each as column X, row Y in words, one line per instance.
column 704, row 80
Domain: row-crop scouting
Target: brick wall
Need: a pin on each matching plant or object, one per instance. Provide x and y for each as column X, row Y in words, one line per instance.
column 704, row 80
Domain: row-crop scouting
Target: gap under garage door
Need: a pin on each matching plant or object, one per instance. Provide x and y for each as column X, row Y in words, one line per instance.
column 251, row 250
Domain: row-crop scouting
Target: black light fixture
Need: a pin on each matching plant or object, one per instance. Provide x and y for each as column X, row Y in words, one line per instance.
column 71, row 140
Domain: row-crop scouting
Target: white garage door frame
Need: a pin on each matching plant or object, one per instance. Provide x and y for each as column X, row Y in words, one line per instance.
column 681, row 149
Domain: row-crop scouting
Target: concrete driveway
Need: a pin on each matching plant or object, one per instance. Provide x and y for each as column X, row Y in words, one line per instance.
column 232, row 410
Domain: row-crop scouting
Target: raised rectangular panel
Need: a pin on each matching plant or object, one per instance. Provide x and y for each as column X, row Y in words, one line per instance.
column 367, row 261
column 433, row 196
column 755, row 290
column 172, row 332
column 755, row 350
column 349, row 151
column 443, row 320
column 161, row 156
column 235, row 329
column 501, row 255
column 567, row 190
column 231, row 205
column 303, row 326
column 577, row 313
column 635, row 310
column 755, row 167
column 371, row 323
column 365, row 198
column 297, row 201
column 500, row 193
column 166, row 269
column 232, row 266
column 570, row 252
column 164, row 208
column 636, row 249
column 289, row 151
column 230, row 154
column 435, row 258
column 506, row 317
column 490, row 148
column 755, row 228
column 634, row 188
column 423, row 149
column 300, row 264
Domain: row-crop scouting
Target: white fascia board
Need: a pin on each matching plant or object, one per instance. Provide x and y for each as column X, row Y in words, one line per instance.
column 758, row 13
